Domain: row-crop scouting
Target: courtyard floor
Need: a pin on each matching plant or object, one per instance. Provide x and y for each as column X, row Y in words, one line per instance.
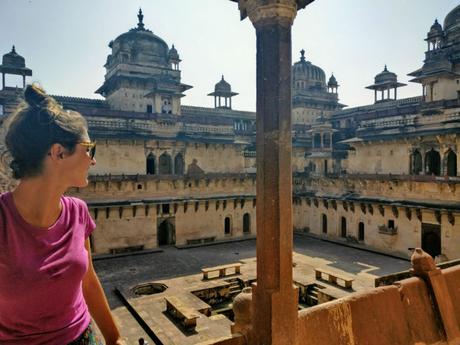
column 180, row 270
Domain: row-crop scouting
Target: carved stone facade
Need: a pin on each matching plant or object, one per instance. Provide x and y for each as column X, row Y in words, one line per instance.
column 382, row 176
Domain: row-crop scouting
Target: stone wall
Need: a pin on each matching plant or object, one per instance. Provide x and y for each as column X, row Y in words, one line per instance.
column 375, row 217
column 136, row 227
column 127, row 157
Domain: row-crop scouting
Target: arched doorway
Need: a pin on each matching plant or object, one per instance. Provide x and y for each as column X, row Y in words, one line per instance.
column 361, row 231
column 179, row 164
column 166, row 233
column 324, row 225
column 165, row 164
column 227, row 226
column 150, row 164
column 451, row 163
column 343, row 232
column 433, row 163
column 431, row 239
column 416, row 163
column 246, row 223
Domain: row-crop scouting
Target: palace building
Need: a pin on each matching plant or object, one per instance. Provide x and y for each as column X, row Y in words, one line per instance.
column 382, row 176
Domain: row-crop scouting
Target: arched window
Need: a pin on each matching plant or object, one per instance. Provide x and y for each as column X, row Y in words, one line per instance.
column 164, row 164
column 247, row 223
column 451, row 163
column 150, row 164
column 317, row 140
column 416, row 163
column 324, row 225
column 179, row 164
column 361, row 231
column 343, row 232
column 327, row 140
column 227, row 226
column 433, row 163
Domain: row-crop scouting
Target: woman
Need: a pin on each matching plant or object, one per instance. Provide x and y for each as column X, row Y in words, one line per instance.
column 48, row 286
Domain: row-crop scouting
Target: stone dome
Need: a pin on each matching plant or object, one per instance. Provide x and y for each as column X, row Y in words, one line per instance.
column 13, row 59
column 140, row 45
column 452, row 18
column 223, row 86
column 385, row 76
column 435, row 30
column 332, row 81
column 452, row 26
column 306, row 71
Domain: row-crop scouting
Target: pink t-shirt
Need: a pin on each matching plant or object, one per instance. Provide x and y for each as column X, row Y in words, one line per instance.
column 41, row 272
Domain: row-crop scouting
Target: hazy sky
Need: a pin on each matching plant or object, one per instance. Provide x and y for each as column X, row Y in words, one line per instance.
column 65, row 42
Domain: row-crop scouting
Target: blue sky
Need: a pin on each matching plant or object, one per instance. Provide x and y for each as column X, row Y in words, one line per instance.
column 65, row 42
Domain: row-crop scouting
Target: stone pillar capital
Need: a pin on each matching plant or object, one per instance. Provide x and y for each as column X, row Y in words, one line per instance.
column 262, row 12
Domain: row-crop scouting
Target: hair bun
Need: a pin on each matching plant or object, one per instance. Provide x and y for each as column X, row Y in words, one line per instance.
column 35, row 96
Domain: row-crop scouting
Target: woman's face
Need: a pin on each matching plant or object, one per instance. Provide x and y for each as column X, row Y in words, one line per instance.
column 78, row 164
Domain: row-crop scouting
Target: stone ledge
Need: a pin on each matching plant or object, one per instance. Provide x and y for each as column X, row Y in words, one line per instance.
column 236, row 239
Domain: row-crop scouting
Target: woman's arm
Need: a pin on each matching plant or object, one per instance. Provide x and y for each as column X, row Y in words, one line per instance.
column 97, row 304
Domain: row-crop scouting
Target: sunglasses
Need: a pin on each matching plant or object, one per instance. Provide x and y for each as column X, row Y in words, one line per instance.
column 90, row 147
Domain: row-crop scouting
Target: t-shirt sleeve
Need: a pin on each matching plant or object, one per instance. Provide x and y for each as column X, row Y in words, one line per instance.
column 90, row 224
column 85, row 217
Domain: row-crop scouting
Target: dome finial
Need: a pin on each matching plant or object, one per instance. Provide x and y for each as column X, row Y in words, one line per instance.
column 13, row 50
column 385, row 69
column 222, row 77
column 140, row 16
column 302, row 55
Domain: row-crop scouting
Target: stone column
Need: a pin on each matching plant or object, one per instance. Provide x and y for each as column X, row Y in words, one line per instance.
column 275, row 299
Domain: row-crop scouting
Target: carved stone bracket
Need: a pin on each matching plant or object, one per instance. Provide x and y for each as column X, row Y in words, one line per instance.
column 451, row 218
column 363, row 208
column 334, row 204
column 437, row 215
column 408, row 213
column 325, row 204
column 315, row 202
column 352, row 207
column 345, row 205
column 418, row 212
column 381, row 210
column 395, row 211
column 370, row 208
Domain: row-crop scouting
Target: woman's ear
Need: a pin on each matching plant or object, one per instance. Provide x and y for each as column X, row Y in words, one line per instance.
column 56, row 152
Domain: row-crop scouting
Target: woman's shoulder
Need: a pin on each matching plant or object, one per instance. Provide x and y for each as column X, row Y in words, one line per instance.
column 72, row 202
